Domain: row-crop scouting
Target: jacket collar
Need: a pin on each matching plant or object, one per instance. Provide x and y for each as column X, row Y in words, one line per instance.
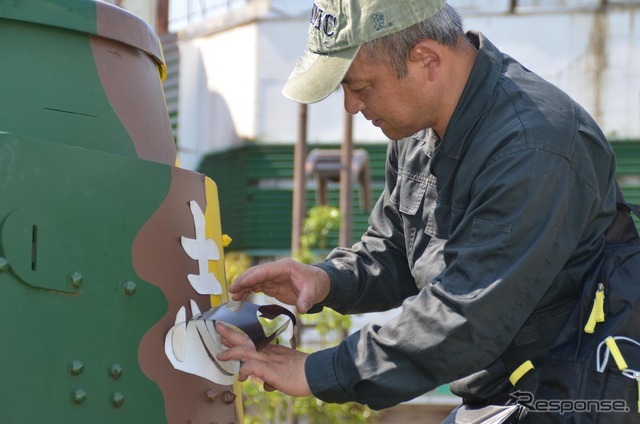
column 475, row 97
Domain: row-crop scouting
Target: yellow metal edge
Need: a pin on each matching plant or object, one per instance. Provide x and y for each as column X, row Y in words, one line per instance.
column 213, row 231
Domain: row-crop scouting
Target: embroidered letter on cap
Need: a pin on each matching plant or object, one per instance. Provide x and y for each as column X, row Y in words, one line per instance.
column 324, row 22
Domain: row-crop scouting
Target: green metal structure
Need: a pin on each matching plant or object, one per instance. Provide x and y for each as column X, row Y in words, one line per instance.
column 92, row 272
column 255, row 183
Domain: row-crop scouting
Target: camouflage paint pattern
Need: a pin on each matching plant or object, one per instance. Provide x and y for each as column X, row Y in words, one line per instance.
column 92, row 271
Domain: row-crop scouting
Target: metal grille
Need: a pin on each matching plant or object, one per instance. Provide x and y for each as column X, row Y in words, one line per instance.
column 170, row 85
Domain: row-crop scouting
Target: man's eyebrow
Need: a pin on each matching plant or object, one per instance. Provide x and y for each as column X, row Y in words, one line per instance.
column 350, row 80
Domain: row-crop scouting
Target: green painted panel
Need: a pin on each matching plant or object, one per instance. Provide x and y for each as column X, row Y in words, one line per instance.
column 93, row 206
column 228, row 170
column 262, row 221
column 77, row 15
column 90, row 17
column 627, row 157
column 51, row 78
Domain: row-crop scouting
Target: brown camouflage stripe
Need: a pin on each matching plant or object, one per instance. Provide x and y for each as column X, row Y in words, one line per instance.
column 158, row 258
column 134, row 90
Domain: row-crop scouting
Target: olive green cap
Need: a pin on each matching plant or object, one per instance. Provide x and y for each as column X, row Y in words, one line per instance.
column 337, row 30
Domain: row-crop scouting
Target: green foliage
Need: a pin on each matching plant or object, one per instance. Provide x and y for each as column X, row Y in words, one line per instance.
column 320, row 222
column 329, row 325
column 262, row 407
column 235, row 263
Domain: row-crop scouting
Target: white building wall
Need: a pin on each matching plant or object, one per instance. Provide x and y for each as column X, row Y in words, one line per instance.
column 218, row 93
column 231, row 80
column 145, row 9
column 600, row 73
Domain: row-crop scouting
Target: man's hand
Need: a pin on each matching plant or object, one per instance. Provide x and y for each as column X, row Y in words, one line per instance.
column 279, row 367
column 288, row 281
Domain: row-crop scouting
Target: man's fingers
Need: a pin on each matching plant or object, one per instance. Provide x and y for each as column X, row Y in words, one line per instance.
column 256, row 366
column 230, row 337
column 303, row 304
column 240, row 295
column 244, row 283
column 242, row 353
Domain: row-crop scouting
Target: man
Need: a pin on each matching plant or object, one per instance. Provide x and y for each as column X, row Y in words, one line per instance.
column 498, row 191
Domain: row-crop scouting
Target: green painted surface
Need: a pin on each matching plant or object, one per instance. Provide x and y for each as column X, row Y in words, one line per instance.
column 51, row 88
column 77, row 15
column 91, row 17
column 97, row 203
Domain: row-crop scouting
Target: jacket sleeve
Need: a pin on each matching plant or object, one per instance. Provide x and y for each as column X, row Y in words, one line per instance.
column 516, row 240
column 374, row 274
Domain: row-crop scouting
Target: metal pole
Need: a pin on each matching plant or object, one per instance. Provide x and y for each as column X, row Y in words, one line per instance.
column 299, row 210
column 346, row 207
column 162, row 18
column 299, row 180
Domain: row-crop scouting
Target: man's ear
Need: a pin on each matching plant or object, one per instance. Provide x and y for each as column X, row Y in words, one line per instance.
column 427, row 55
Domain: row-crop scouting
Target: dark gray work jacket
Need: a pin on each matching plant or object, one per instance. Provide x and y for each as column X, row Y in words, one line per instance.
column 471, row 235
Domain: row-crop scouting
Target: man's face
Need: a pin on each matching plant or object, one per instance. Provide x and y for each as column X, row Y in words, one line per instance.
column 399, row 108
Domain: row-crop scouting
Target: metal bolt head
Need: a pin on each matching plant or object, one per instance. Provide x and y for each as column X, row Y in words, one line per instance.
column 117, row 399
column 115, row 371
column 212, row 395
column 130, row 288
column 76, row 367
column 78, row 396
column 75, row 279
column 228, row 397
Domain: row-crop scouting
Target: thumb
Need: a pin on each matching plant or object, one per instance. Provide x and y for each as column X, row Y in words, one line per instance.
column 304, row 302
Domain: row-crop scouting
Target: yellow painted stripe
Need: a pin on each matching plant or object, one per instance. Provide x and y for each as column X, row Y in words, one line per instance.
column 213, row 232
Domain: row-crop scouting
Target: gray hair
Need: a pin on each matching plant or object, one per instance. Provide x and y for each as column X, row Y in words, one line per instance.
column 392, row 51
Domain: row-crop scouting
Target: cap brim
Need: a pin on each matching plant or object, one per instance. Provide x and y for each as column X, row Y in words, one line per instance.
column 316, row 76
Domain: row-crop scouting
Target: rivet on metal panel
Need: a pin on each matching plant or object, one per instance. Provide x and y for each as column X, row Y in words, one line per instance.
column 130, row 288
column 115, row 371
column 228, row 397
column 76, row 367
column 78, row 396
column 4, row 264
column 75, row 279
column 117, row 399
column 212, row 395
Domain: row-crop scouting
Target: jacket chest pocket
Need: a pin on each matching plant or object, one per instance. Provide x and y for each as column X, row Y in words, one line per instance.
column 424, row 216
column 409, row 192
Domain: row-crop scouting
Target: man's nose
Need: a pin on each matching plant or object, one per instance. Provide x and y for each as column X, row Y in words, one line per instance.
column 352, row 104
